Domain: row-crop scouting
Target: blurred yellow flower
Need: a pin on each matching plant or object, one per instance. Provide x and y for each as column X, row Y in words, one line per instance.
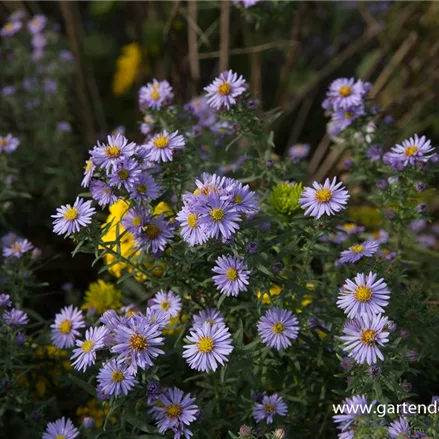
column 127, row 68
column 93, row 410
column 275, row 290
column 102, row 296
column 366, row 215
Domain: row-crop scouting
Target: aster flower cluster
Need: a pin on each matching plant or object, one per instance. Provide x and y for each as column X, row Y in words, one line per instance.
column 345, row 101
column 14, row 247
column 215, row 209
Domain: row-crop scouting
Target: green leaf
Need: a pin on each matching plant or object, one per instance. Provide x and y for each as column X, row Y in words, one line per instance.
column 87, row 387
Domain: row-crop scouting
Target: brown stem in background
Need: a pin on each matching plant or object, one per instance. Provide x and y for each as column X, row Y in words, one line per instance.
column 224, row 36
column 194, row 62
column 282, row 95
column 71, row 28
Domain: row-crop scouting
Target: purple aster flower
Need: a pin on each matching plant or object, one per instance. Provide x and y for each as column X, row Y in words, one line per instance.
column 382, row 184
column 356, row 252
column 399, row 428
column 417, row 226
column 346, row 93
column 70, row 219
column 224, row 89
column 162, row 146
column 137, row 342
column 167, row 302
column 8, row 144
column 278, row 327
column 420, row 186
column 208, row 346
column 114, row 379
column 15, row 317
column 421, row 208
column 174, row 409
column 8, row 90
column 88, row 422
column 241, row 197
column 375, row 371
column 39, row 41
column 232, row 275
column 413, row 150
column 61, row 429
column 5, row 301
column 155, row 95
column 347, row 363
column 375, row 152
column 352, row 409
column 412, row 356
column 298, row 152
column 64, row 126
column 389, row 214
column 191, row 230
column 245, row 3
column 363, row 335
column 147, row 124
column 155, row 234
column 153, row 391
column 85, row 353
column 102, row 193
column 66, row 55
column 20, row 339
column 364, row 295
column 17, row 249
column 426, row 240
column 145, row 188
column 222, row 129
column 89, row 168
column 343, row 117
column 351, row 228
column 65, row 328
column 37, row 24
column 10, row 28
column 269, row 407
column 109, row 155
column 326, row 199
column 218, row 217
column 17, row 15
column 210, row 315
column 125, row 174
column 134, row 219
column 251, row 248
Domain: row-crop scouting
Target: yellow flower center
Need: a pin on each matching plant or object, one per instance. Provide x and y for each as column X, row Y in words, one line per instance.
column 345, row 91
column 410, row 151
column 349, row 226
column 136, row 221
column 165, row 305
column 147, row 119
column 232, row 274
column 65, row 327
column 368, row 337
column 363, row 294
column 205, row 345
column 87, row 346
column 112, row 152
column 9, row 26
column 217, row 214
column 357, row 248
column 88, row 165
column 152, row 231
column 117, row 376
column 224, row 89
column 348, row 114
column 238, row 199
column 278, row 328
column 71, row 213
column 192, row 219
column 138, row 342
column 3, row 142
column 323, row 195
column 155, row 95
column 161, row 142
column 173, row 410
column 16, row 247
column 269, row 408
column 141, row 188
column 60, row 436
column 123, row 174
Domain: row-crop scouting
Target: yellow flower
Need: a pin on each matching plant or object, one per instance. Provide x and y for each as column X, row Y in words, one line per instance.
column 165, row 209
column 102, row 296
column 175, row 324
column 275, row 290
column 127, row 68
column 366, row 215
